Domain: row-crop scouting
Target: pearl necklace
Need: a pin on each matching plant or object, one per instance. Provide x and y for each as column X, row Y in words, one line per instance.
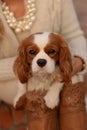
column 24, row 23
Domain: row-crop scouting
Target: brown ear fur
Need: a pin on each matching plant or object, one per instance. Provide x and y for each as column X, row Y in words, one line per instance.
column 65, row 61
column 21, row 67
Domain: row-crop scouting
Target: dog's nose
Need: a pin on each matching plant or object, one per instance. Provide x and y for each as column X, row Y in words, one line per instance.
column 41, row 62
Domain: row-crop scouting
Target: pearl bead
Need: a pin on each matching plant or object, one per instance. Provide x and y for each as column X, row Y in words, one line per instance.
column 29, row 1
column 27, row 16
column 13, row 20
column 30, row 23
column 10, row 24
column 7, row 8
column 28, row 6
column 11, row 14
column 8, row 21
column 5, row 12
column 32, row 5
column 30, row 10
column 33, row 9
column 32, row 18
column 17, row 30
column 27, row 26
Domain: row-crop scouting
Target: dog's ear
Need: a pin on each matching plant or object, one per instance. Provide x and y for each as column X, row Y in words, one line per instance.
column 21, row 67
column 65, row 61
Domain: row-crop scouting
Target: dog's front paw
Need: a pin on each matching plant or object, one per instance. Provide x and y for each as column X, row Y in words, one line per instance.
column 51, row 100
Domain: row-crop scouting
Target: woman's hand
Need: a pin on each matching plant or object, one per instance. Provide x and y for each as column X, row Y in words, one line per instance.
column 77, row 64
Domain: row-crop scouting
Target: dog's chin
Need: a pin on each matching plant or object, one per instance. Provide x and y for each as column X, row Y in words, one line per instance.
column 42, row 72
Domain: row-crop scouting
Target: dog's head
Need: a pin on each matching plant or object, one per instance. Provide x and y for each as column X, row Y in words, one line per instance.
column 40, row 53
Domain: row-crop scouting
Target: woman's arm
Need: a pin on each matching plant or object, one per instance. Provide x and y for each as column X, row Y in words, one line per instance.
column 71, row 31
column 8, row 80
column 6, row 69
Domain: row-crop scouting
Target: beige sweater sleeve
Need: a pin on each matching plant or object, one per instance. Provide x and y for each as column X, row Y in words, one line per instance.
column 6, row 69
column 72, row 32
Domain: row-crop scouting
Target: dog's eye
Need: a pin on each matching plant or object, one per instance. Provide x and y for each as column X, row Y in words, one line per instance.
column 51, row 51
column 32, row 52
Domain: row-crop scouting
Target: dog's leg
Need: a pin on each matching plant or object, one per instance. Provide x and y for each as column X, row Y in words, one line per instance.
column 52, row 96
column 21, row 90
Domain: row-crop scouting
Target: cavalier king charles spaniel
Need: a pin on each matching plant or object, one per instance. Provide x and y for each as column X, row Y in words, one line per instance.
column 42, row 57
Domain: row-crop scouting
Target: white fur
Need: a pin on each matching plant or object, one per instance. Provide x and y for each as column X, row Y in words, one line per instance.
column 41, row 39
column 52, row 97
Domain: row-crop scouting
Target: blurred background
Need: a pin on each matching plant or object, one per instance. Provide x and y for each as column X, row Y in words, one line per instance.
column 11, row 119
column 81, row 9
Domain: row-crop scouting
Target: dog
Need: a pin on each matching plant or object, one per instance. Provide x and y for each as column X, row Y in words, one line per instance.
column 42, row 57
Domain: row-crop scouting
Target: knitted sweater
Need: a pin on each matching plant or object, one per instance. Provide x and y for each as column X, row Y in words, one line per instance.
column 51, row 16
